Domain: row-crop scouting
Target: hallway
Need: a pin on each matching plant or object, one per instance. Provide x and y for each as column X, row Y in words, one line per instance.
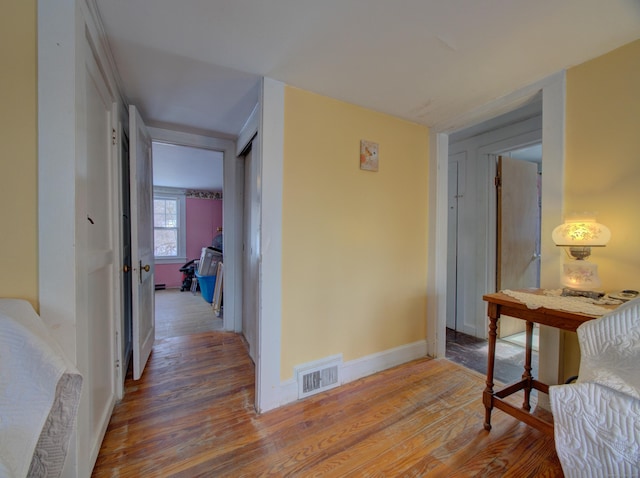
column 183, row 313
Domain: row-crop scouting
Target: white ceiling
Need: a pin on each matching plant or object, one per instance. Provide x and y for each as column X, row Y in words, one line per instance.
column 186, row 168
column 196, row 64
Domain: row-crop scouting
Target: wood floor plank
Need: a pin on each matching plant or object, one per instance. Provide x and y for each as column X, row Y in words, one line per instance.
column 194, row 315
column 192, row 415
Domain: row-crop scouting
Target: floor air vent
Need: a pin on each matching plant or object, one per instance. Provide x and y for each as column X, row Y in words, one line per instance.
column 318, row 376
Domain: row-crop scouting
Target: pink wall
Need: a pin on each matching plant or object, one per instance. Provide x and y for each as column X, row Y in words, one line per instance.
column 204, row 216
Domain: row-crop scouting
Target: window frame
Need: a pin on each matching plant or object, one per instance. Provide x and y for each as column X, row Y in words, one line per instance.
column 178, row 195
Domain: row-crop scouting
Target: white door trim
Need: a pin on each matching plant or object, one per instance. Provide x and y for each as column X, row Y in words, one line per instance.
column 231, row 216
column 437, row 262
column 270, row 154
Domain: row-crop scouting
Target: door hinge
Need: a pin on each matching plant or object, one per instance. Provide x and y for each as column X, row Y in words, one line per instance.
column 117, row 344
column 497, row 181
column 113, row 137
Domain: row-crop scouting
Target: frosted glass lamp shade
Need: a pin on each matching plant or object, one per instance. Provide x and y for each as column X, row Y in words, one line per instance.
column 582, row 233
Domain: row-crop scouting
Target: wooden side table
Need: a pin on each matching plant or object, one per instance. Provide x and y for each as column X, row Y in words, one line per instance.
column 497, row 305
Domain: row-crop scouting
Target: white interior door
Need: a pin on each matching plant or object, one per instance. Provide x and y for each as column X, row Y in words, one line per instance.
column 452, row 249
column 518, row 232
column 142, row 253
column 96, row 251
column 250, row 255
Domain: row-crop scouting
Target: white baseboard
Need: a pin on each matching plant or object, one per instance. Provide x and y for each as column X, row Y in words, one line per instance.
column 358, row 368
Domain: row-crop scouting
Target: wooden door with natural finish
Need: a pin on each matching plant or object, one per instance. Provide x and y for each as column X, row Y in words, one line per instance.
column 518, row 232
column 142, row 253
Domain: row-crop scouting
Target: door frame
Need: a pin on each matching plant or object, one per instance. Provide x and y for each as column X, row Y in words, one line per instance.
column 553, row 133
column 124, row 334
column 250, row 231
column 231, row 215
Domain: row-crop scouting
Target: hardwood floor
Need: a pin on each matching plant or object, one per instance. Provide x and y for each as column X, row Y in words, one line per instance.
column 183, row 313
column 192, row 415
column 472, row 353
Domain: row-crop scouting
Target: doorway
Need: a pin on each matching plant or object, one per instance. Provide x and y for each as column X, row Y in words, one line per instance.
column 517, row 264
column 472, row 215
column 189, row 181
column 232, row 215
column 518, row 225
column 472, row 241
column 188, row 187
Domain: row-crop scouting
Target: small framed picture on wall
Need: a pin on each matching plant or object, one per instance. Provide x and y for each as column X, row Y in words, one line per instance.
column 368, row 155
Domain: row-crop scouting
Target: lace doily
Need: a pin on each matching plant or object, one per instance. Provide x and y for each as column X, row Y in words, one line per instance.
column 552, row 299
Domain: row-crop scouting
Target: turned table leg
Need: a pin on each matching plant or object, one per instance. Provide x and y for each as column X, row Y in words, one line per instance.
column 487, row 396
column 527, row 367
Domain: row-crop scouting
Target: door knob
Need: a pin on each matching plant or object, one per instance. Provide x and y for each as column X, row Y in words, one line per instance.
column 141, row 268
column 126, row 268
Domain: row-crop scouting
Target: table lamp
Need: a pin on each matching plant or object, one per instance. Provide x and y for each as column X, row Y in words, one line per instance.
column 579, row 236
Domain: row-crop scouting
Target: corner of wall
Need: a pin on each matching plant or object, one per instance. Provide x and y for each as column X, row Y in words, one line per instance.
column 287, row 391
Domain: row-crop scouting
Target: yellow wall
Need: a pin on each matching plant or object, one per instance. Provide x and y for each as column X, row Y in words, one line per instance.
column 18, row 161
column 603, row 157
column 602, row 172
column 354, row 242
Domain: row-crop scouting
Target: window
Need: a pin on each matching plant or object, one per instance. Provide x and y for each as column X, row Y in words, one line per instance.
column 168, row 226
column 165, row 221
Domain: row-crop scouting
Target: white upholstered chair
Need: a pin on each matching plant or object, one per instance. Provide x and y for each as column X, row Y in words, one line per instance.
column 597, row 419
column 39, row 395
